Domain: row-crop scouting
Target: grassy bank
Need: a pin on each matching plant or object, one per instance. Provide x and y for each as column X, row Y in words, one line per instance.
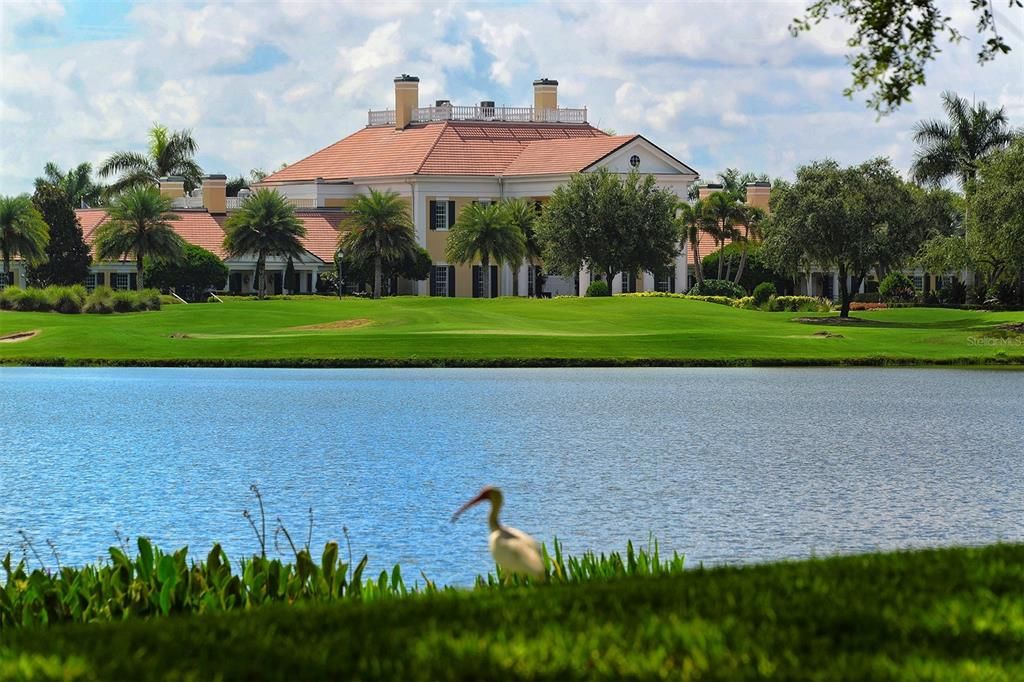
column 936, row 614
column 412, row 331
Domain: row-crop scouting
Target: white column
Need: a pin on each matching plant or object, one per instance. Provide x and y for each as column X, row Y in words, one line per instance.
column 835, row 285
column 584, row 280
column 616, row 284
column 810, row 285
column 419, row 221
column 648, row 281
column 524, row 282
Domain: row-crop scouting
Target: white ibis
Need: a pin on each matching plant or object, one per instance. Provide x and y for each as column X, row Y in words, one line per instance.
column 513, row 550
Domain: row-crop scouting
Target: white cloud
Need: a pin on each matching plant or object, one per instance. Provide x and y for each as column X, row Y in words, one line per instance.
column 715, row 84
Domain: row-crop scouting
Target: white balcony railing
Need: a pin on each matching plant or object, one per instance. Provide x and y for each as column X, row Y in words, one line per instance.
column 477, row 113
column 382, row 118
column 187, row 202
column 235, row 203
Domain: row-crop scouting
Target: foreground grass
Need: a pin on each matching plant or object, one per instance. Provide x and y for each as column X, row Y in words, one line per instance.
column 937, row 614
column 321, row 331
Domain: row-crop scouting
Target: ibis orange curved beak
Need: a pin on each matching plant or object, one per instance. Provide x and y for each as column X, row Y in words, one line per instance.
column 485, row 494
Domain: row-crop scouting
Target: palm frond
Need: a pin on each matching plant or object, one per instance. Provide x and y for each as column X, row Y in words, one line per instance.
column 125, row 162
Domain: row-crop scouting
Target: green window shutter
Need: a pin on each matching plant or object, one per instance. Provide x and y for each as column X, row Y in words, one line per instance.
column 477, row 282
column 433, row 214
column 433, row 279
column 451, row 280
column 99, row 279
column 494, row 281
column 133, row 281
column 451, row 214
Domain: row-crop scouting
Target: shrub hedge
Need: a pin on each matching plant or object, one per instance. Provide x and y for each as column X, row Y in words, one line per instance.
column 718, row 287
column 897, row 287
column 763, row 292
column 954, row 613
column 598, row 288
column 75, row 299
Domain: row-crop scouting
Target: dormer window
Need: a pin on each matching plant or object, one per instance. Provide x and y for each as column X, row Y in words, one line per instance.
column 634, row 161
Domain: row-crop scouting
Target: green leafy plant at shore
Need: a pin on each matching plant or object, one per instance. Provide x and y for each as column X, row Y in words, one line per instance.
column 156, row 583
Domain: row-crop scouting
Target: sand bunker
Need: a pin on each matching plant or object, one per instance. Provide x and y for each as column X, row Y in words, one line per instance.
column 18, row 336
column 330, row 326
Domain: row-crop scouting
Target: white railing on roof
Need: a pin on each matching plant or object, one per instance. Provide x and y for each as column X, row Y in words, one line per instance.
column 450, row 112
column 235, row 203
column 187, row 202
column 382, row 118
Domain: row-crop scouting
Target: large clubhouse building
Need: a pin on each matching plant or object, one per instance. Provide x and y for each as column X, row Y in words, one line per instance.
column 438, row 158
column 443, row 157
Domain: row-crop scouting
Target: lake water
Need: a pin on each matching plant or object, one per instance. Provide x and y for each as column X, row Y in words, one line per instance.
column 724, row 465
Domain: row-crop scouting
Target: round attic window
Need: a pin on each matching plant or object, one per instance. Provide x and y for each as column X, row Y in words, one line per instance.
column 634, row 161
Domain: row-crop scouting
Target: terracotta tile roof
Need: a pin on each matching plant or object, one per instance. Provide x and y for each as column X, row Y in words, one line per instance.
column 453, row 148
column 467, row 148
column 369, row 152
column 90, row 219
column 564, row 156
column 207, row 231
column 322, row 231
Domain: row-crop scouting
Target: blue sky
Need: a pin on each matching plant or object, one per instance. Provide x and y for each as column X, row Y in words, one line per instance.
column 261, row 83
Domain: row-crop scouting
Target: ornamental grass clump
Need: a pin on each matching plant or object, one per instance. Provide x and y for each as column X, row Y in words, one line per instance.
column 100, row 301
column 30, row 300
column 67, row 300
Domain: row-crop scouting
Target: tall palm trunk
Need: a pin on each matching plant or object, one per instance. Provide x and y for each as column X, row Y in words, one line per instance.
column 485, row 274
column 743, row 256
column 721, row 255
column 697, row 269
column 260, row 277
column 376, row 269
column 138, row 272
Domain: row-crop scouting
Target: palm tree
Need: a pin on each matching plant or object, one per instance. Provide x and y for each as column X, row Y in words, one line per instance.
column 953, row 148
column 722, row 211
column 382, row 232
column 169, row 153
column 23, row 232
column 483, row 231
column 753, row 218
column 735, row 183
column 691, row 218
column 77, row 183
column 265, row 224
column 139, row 224
column 522, row 214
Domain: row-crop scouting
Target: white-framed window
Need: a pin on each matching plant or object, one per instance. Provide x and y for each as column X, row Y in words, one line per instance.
column 530, row 271
column 440, row 281
column 440, row 218
column 664, row 283
column 119, row 280
column 918, row 281
column 90, row 281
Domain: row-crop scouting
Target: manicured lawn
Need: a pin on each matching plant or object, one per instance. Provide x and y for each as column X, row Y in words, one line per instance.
column 511, row 331
column 953, row 614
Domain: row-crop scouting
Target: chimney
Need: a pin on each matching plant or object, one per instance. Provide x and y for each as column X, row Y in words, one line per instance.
column 407, row 98
column 545, row 97
column 757, row 194
column 215, row 193
column 172, row 187
column 704, row 191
